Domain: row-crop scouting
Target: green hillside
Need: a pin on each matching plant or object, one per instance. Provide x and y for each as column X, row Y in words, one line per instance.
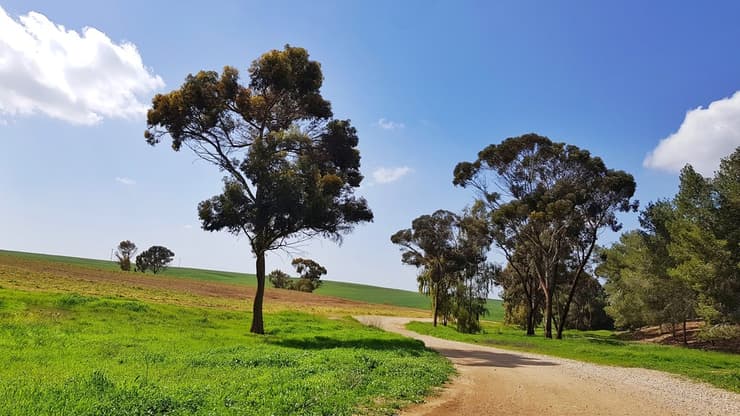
column 353, row 291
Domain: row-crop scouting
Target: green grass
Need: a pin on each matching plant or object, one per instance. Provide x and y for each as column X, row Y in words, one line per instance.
column 352, row 291
column 601, row 347
column 67, row 354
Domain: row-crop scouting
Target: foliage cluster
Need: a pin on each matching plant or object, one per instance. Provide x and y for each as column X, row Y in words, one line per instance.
column 545, row 205
column 685, row 261
column 309, row 271
column 450, row 252
column 155, row 258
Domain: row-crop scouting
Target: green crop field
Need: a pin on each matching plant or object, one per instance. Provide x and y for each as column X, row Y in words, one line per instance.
column 352, row 291
column 70, row 354
column 601, row 347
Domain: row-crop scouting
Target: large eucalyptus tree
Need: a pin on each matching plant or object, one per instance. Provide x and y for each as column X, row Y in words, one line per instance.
column 291, row 168
column 550, row 199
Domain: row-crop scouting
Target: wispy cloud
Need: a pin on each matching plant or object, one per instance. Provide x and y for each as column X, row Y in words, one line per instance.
column 78, row 77
column 388, row 175
column 126, row 181
column 705, row 136
column 187, row 226
column 390, row 125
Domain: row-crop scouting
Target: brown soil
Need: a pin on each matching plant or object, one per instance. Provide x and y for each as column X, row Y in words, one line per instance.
column 492, row 381
column 56, row 276
column 664, row 335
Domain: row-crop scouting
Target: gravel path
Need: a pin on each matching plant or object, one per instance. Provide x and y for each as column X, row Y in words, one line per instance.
column 492, row 381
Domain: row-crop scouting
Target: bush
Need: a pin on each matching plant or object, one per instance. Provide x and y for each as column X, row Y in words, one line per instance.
column 279, row 279
column 719, row 332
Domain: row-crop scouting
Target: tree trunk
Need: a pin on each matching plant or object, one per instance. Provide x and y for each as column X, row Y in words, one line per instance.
column 685, row 341
column 548, row 314
column 435, row 308
column 258, row 326
column 530, row 320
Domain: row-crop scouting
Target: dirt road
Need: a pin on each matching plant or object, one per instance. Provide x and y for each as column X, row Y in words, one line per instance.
column 492, row 381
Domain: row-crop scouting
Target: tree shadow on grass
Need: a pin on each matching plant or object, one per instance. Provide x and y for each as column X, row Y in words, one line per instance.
column 322, row 342
column 479, row 358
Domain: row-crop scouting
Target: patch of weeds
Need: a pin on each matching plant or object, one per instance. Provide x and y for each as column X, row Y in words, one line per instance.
column 73, row 299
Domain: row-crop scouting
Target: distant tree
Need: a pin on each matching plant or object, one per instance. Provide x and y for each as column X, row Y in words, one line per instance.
column 640, row 286
column 291, row 168
column 310, row 274
column 706, row 239
column 430, row 245
column 684, row 262
column 450, row 252
column 279, row 279
column 126, row 249
column 475, row 276
column 556, row 198
column 155, row 258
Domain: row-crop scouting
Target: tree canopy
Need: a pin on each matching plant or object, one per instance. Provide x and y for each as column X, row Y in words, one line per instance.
column 450, row 252
column 155, row 258
column 685, row 261
column 125, row 250
column 548, row 201
column 291, row 168
column 310, row 274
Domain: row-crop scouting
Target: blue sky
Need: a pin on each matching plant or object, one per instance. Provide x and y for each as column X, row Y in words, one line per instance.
column 427, row 84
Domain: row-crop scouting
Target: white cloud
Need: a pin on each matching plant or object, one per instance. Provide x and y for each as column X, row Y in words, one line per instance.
column 80, row 78
column 126, row 181
column 187, row 226
column 388, row 175
column 705, row 136
column 390, row 125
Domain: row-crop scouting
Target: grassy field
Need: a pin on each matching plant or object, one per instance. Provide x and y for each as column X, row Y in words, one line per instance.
column 601, row 347
column 352, row 291
column 80, row 355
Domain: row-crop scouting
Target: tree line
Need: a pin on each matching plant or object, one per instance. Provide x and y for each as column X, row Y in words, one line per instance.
column 684, row 261
column 291, row 170
column 542, row 205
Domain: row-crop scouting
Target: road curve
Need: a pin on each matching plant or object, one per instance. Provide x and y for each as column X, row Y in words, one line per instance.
column 493, row 381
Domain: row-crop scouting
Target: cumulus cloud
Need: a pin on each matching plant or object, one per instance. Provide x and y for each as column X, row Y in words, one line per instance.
column 126, row 181
column 390, row 125
column 77, row 77
column 705, row 136
column 388, row 175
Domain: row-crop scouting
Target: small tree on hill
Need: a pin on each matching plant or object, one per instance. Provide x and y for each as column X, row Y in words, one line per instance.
column 310, row 272
column 155, row 258
column 126, row 249
column 279, row 279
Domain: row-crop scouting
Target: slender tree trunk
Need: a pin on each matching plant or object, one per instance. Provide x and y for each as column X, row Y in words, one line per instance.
column 548, row 314
column 685, row 341
column 530, row 320
column 574, row 286
column 435, row 307
column 258, row 326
